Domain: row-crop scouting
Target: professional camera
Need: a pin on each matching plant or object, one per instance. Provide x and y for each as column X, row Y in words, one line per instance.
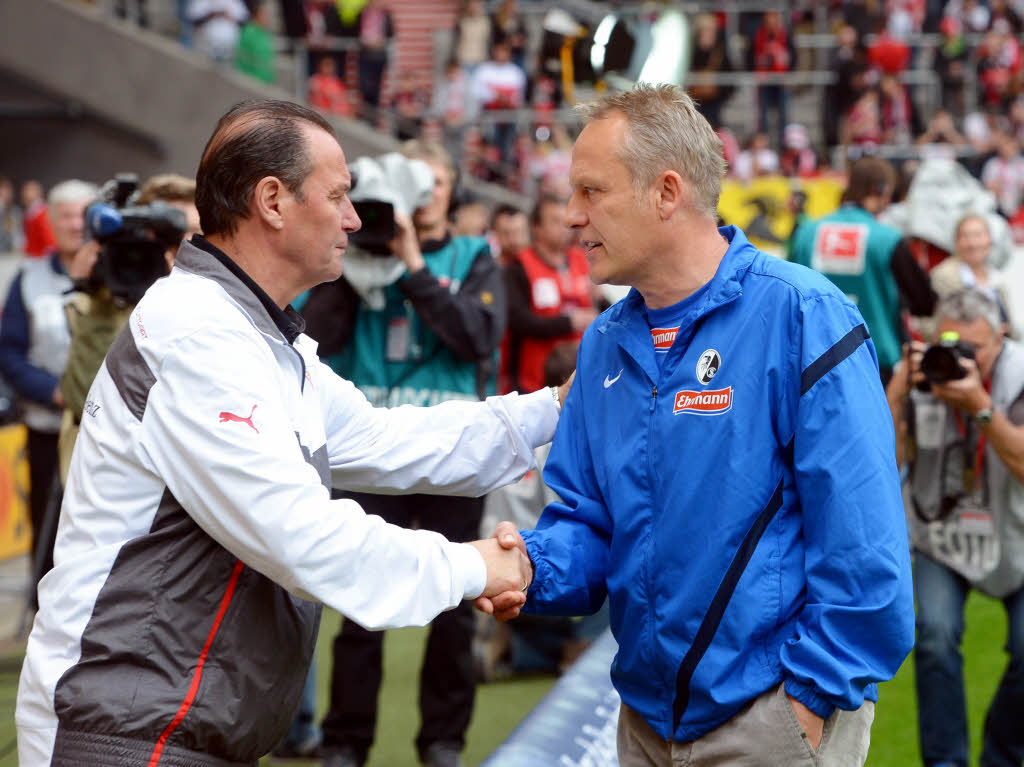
column 941, row 361
column 380, row 186
column 133, row 239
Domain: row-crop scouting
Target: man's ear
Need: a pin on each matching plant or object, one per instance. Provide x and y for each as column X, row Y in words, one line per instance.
column 266, row 200
column 670, row 192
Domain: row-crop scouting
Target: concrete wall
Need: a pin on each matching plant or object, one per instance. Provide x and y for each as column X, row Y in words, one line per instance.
column 141, row 96
column 133, row 100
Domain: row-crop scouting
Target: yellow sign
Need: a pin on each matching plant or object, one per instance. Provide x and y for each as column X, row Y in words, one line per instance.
column 761, row 207
column 15, row 524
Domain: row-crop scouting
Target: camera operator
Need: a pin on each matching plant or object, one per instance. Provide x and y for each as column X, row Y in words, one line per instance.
column 431, row 338
column 95, row 315
column 958, row 408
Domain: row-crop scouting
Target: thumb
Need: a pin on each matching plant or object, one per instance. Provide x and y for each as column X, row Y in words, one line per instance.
column 507, row 535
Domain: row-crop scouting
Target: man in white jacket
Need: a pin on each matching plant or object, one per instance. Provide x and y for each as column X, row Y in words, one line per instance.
column 197, row 537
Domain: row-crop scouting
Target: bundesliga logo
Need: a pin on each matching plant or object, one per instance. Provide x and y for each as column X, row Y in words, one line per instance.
column 703, row 402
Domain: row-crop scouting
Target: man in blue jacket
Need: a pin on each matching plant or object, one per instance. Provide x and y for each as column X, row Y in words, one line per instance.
column 725, row 465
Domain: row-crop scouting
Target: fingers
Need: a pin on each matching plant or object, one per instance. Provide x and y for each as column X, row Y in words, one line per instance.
column 508, row 536
column 484, row 605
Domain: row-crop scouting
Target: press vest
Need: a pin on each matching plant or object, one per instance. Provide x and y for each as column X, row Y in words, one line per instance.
column 395, row 358
column 979, row 534
column 42, row 292
column 854, row 251
column 552, row 293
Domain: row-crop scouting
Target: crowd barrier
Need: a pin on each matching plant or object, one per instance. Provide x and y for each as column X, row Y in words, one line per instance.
column 575, row 724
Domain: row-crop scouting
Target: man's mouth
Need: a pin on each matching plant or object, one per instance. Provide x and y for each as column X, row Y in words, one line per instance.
column 589, row 245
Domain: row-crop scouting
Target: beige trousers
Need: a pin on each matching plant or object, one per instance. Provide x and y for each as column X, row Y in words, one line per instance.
column 765, row 733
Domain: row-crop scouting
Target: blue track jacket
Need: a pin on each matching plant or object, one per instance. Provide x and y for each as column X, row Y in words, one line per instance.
column 741, row 508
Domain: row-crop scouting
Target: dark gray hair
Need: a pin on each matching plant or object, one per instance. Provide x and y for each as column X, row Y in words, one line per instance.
column 968, row 305
column 665, row 132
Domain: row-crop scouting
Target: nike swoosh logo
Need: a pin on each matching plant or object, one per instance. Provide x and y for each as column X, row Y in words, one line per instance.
column 609, row 381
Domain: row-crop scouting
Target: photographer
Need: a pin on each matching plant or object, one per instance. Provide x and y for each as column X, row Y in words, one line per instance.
column 96, row 315
column 958, row 408
column 427, row 336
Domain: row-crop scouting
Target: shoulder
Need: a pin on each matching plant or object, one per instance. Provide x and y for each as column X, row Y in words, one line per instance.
column 160, row 316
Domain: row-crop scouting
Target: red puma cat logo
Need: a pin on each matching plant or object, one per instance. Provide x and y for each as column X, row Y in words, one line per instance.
column 226, row 416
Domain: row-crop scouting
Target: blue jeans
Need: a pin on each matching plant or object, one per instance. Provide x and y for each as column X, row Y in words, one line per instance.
column 941, row 704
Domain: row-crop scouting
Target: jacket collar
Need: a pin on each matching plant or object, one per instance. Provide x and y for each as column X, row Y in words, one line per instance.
column 628, row 324
column 201, row 257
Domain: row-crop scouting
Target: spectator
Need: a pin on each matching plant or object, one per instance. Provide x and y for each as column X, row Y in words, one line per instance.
column 867, row 259
column 1003, row 175
column 999, row 65
column 509, row 26
column 889, row 53
column 12, row 227
column 39, row 238
column 434, row 339
column 409, row 104
column 325, row 33
column 327, row 91
column 34, row 342
column 758, row 159
column 255, row 54
column 470, row 220
column 962, row 443
column 972, row 15
column 511, row 234
column 863, row 123
column 968, row 266
column 217, row 26
column 452, row 105
column 772, row 53
column 798, row 159
column 498, row 86
column 472, row 35
column 549, row 297
column 376, row 30
column 710, row 57
column 941, row 138
column 849, row 62
column 895, row 111
column 950, row 63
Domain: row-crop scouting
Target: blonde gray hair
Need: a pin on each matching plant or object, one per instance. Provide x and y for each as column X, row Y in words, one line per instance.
column 665, row 132
column 72, row 190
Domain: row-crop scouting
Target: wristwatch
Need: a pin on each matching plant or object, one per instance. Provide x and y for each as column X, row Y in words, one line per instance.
column 984, row 416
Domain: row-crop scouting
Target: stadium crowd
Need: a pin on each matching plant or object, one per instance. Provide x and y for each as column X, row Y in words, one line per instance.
column 501, row 296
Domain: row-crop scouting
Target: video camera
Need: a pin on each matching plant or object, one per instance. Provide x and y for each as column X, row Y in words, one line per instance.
column 133, row 239
column 380, row 185
column 941, row 361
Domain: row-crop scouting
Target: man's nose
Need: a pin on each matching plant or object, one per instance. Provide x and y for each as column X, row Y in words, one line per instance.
column 575, row 218
column 350, row 221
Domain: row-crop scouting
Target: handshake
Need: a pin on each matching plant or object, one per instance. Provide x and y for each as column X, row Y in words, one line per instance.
column 509, row 573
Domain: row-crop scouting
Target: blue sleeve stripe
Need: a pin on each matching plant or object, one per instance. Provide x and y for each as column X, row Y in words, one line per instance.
column 713, row 617
column 842, row 349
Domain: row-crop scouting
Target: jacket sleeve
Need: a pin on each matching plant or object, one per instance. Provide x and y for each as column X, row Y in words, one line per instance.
column 250, row 488
column 857, row 624
column 570, row 546
column 522, row 321
column 27, row 379
column 470, row 322
column 454, row 448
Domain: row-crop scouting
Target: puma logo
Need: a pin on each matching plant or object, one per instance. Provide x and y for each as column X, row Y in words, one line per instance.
column 226, row 416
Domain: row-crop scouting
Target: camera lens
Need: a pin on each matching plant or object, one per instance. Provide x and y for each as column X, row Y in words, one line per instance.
column 942, row 363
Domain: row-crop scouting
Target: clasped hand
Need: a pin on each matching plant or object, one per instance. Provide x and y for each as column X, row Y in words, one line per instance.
column 505, row 593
